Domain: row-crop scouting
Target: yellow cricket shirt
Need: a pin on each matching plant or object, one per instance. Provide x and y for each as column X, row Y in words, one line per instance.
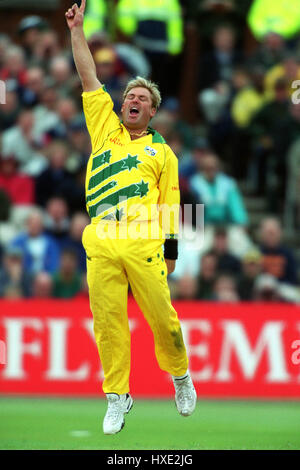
column 128, row 179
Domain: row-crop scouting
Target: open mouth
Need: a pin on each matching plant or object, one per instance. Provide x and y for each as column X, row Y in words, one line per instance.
column 133, row 111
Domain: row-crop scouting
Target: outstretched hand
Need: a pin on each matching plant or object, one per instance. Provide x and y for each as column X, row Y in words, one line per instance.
column 75, row 14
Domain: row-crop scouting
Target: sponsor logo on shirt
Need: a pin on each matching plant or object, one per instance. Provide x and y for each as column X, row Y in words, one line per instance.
column 150, row 151
column 116, row 141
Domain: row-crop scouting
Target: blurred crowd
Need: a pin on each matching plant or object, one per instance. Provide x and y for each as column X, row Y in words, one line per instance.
column 245, row 142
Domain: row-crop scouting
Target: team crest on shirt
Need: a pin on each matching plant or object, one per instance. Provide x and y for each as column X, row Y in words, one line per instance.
column 150, row 151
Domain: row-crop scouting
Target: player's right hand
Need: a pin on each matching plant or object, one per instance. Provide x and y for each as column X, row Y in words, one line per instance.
column 170, row 265
column 74, row 15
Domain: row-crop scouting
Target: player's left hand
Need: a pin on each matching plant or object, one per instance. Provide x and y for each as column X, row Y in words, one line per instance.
column 170, row 265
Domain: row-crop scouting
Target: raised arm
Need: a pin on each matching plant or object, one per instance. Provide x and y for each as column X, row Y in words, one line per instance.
column 82, row 55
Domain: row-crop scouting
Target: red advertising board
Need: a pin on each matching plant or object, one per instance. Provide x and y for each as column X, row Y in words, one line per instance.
column 235, row 350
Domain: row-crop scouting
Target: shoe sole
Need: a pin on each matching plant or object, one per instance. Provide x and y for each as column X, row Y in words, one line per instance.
column 123, row 424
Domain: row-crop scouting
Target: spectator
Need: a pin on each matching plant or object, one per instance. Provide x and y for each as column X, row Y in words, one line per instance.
column 14, row 66
column 207, row 277
column 212, row 14
column 278, row 260
column 280, row 16
column 292, row 195
column 5, row 42
column 251, row 269
column 219, row 194
column 213, row 104
column 265, row 130
column 40, row 251
column 67, row 281
column 287, row 71
column 249, row 99
column 217, row 65
column 289, row 293
column 9, row 110
column 67, row 111
column 95, row 18
column 42, row 286
column 19, row 187
column 61, row 73
column 15, row 282
column 57, row 181
column 185, row 131
column 183, row 154
column 188, row 203
column 47, row 48
column 224, row 289
column 133, row 60
column 5, row 208
column 46, row 118
column 270, row 52
column 34, row 85
column 200, row 149
column 22, row 141
column 29, row 31
column 186, row 288
column 163, row 123
column 73, row 241
column 266, row 289
column 56, row 220
column 157, row 29
column 80, row 143
column 226, row 261
column 290, row 133
column 106, row 63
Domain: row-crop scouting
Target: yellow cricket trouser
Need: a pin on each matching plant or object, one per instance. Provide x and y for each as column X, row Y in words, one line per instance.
column 111, row 265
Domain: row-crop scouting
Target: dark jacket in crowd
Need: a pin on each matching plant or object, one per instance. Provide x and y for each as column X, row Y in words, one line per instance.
column 281, row 263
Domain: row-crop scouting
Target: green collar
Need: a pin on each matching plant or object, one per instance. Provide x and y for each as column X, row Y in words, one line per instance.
column 156, row 137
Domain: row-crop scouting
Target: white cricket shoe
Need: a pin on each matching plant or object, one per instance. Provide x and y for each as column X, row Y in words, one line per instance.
column 118, row 405
column 185, row 395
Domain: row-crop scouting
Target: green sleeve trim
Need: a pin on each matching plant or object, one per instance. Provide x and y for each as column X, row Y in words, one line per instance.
column 171, row 236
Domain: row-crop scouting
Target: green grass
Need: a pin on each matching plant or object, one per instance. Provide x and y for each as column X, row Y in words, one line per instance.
column 28, row 423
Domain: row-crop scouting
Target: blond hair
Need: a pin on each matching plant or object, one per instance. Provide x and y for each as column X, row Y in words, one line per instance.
column 144, row 83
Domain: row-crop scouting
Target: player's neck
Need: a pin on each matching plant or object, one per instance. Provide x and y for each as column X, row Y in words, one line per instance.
column 137, row 133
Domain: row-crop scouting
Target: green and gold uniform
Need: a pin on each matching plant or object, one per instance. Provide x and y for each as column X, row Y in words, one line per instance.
column 131, row 185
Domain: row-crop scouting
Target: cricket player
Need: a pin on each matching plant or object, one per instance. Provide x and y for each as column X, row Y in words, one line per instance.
column 131, row 182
